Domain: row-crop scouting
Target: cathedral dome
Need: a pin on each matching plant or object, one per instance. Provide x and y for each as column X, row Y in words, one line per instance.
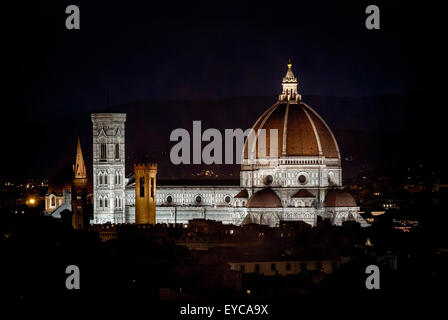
column 301, row 131
column 265, row 198
column 339, row 198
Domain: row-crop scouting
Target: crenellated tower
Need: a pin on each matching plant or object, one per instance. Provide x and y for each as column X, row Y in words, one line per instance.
column 145, row 192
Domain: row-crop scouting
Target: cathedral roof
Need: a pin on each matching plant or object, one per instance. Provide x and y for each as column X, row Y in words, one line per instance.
column 301, row 131
column 303, row 193
column 242, row 194
column 265, row 198
column 339, row 198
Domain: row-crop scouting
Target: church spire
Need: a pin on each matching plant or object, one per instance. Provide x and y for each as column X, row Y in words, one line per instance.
column 289, row 85
column 79, row 169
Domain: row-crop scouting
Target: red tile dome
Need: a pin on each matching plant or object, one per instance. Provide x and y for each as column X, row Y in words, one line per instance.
column 339, row 198
column 265, row 198
column 301, row 132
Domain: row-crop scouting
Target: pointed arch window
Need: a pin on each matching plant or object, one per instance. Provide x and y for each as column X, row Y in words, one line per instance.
column 101, row 203
column 103, row 151
column 117, row 151
column 117, row 178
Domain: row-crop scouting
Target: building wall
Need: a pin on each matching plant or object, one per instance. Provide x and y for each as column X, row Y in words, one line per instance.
column 62, row 202
column 53, row 201
column 230, row 214
column 79, row 203
column 340, row 214
column 319, row 174
column 271, row 268
column 187, row 195
column 213, row 205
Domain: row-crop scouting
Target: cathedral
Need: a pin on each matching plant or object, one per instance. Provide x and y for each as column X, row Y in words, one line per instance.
column 301, row 182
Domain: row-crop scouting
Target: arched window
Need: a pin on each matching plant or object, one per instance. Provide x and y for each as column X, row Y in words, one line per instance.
column 101, row 203
column 117, row 151
column 142, row 187
column 105, row 178
column 53, row 201
column 103, row 151
column 105, row 203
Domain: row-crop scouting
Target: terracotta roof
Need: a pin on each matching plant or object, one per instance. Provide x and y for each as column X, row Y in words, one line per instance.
column 304, row 131
column 242, row 194
column 339, row 198
column 303, row 193
column 265, row 198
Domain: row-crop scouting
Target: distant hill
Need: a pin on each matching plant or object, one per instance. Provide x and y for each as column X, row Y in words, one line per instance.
column 378, row 131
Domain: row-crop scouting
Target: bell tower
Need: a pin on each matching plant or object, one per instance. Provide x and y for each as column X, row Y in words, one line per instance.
column 145, row 193
column 80, row 218
column 108, row 167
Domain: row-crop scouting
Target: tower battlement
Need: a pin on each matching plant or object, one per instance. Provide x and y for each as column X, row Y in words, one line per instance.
column 145, row 166
column 145, row 192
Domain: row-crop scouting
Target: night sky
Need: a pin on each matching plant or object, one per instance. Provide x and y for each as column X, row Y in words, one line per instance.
column 196, row 50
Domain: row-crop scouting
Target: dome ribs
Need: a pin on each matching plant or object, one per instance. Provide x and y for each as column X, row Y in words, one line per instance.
column 274, row 121
column 328, row 142
column 301, row 140
column 258, row 124
column 315, row 131
column 285, row 129
column 301, row 132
